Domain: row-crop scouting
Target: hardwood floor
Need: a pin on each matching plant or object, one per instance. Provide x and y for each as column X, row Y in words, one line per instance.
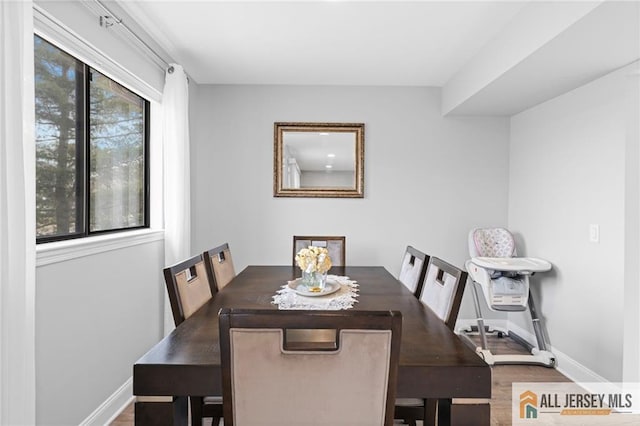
column 126, row 418
column 502, row 377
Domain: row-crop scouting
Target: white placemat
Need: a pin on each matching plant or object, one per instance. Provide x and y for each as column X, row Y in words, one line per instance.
column 287, row 298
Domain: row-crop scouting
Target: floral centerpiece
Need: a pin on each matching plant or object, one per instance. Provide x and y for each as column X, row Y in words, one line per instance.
column 314, row 263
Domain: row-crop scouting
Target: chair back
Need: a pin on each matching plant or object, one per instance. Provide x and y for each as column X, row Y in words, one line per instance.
column 188, row 287
column 443, row 289
column 270, row 379
column 491, row 242
column 335, row 245
column 219, row 266
column 413, row 269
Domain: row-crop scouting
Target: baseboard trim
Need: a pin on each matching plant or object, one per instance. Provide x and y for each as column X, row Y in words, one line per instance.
column 112, row 407
column 566, row 365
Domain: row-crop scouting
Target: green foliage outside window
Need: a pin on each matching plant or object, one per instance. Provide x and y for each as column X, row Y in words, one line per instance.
column 91, row 149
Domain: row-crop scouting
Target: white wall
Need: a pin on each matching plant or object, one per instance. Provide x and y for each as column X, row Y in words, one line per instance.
column 97, row 314
column 428, row 179
column 567, row 171
column 631, row 353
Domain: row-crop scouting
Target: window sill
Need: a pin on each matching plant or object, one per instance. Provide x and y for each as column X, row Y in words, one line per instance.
column 61, row 251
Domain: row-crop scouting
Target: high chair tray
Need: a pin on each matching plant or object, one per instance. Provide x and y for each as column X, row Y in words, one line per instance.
column 516, row 264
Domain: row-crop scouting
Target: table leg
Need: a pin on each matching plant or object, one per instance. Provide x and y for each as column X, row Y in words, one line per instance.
column 468, row 412
column 172, row 412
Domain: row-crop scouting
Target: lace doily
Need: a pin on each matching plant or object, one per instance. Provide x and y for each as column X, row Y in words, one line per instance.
column 287, row 298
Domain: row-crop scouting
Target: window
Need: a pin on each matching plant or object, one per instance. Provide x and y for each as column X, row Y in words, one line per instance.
column 92, row 138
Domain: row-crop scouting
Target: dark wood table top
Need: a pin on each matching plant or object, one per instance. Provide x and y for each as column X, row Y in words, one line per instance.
column 434, row 362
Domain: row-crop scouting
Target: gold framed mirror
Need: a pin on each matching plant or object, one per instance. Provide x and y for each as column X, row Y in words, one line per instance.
column 318, row 160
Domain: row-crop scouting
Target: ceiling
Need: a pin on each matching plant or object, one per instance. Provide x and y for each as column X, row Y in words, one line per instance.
column 396, row 43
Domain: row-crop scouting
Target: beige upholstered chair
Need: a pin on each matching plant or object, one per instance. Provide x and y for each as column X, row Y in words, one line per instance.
column 442, row 293
column 443, row 288
column 413, row 269
column 336, row 246
column 189, row 288
column 219, row 266
column 268, row 379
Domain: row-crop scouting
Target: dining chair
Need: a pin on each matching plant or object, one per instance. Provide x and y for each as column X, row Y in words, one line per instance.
column 269, row 378
column 219, row 266
column 413, row 269
column 442, row 293
column 189, row 288
column 442, row 290
column 335, row 245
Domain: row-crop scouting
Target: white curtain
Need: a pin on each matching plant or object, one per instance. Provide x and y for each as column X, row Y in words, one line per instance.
column 17, row 215
column 177, row 200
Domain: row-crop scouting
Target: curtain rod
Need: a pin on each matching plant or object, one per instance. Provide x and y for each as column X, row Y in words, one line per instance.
column 111, row 19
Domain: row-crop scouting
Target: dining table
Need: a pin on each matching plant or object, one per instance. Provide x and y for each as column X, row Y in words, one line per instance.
column 434, row 362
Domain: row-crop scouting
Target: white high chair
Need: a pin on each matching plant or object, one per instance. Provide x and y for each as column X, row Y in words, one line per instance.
column 504, row 281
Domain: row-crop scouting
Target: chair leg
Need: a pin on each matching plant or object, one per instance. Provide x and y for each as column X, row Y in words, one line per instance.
column 430, row 412
column 196, row 410
column 215, row 421
column 444, row 411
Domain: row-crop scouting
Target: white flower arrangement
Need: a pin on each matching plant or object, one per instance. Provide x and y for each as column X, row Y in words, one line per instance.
column 313, row 259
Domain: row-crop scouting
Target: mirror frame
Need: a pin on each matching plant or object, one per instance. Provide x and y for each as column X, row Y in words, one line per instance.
column 356, row 192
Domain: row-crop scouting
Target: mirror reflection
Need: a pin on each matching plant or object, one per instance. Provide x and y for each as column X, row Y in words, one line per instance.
column 318, row 160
